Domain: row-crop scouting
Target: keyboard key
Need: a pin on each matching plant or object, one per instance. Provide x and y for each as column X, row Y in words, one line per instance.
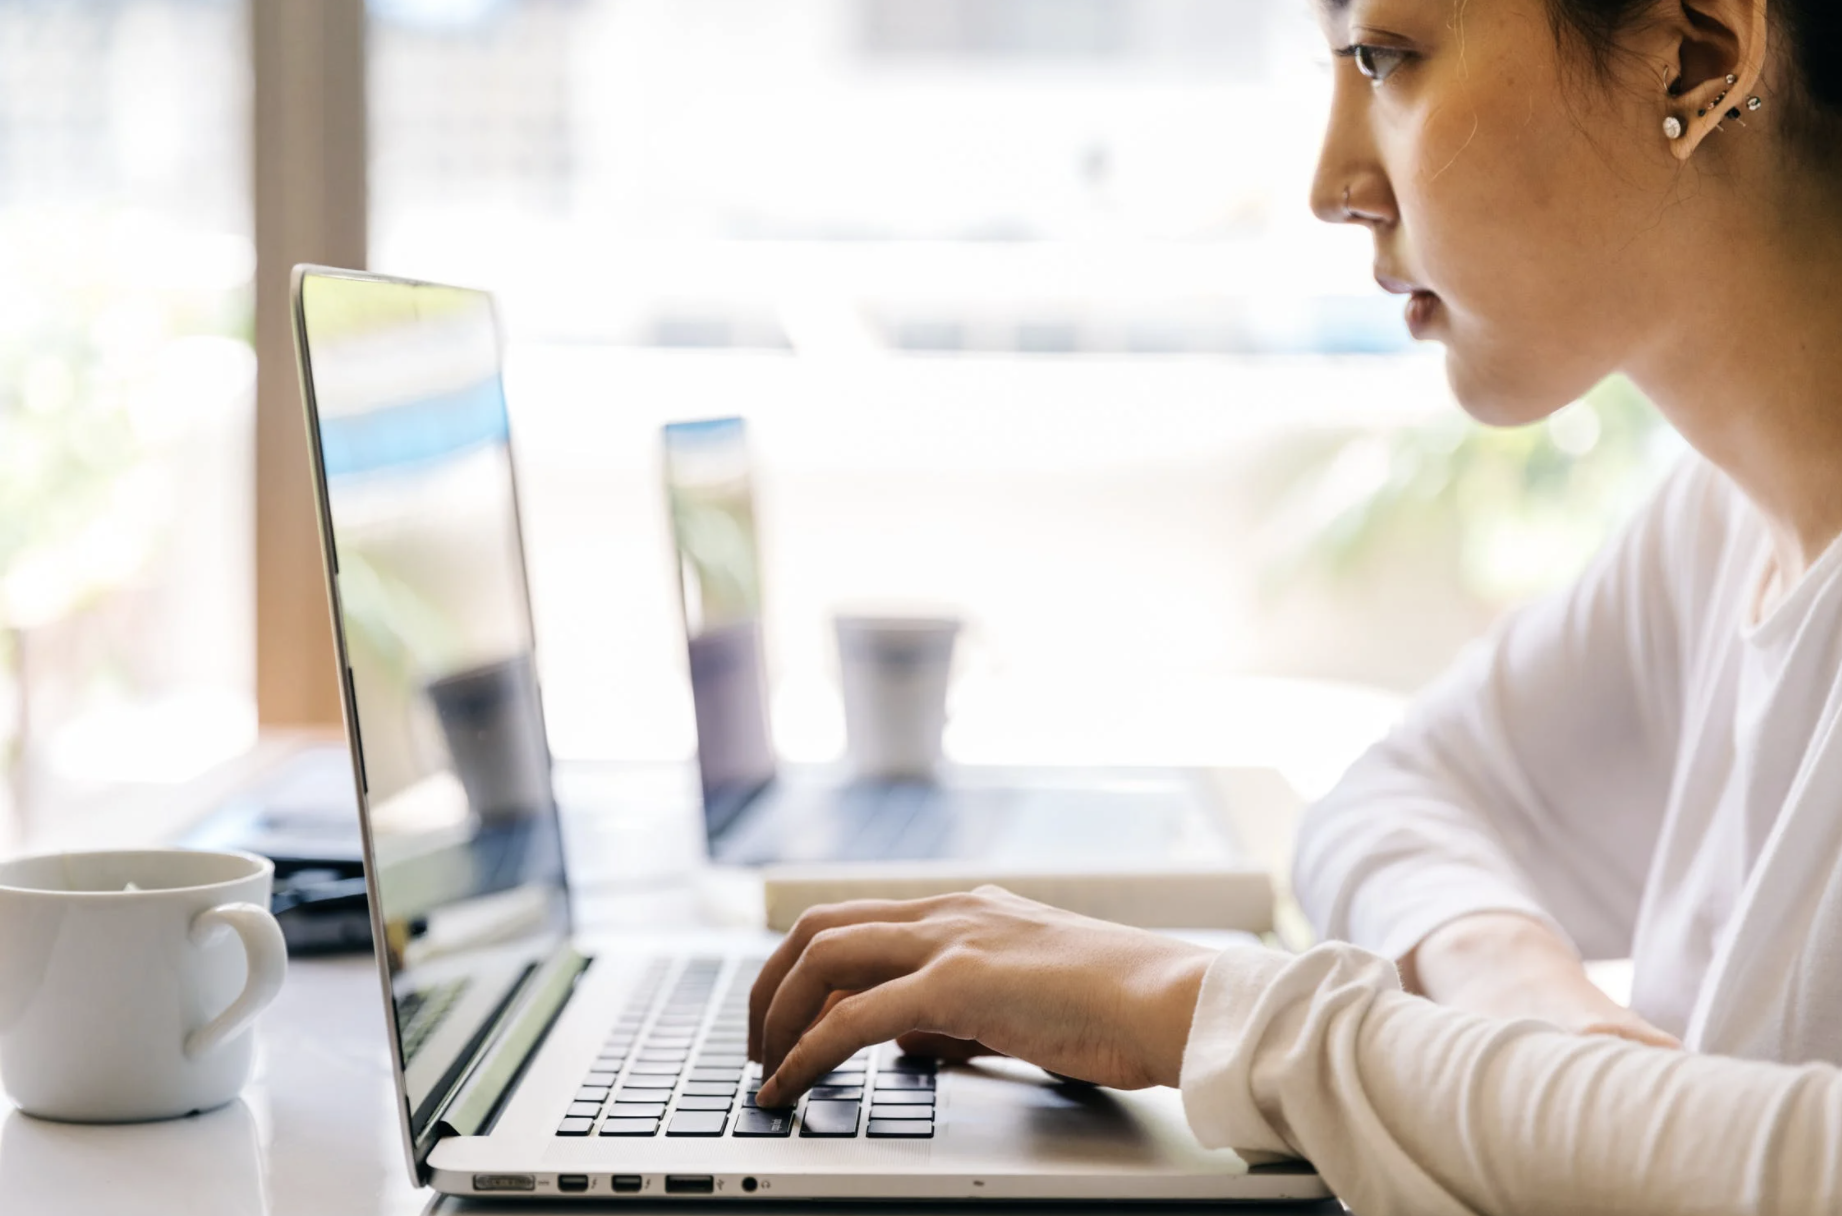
column 879, row 1111
column 656, row 1069
column 842, row 1093
column 729, row 1075
column 645, row 1082
column 661, row 1055
column 609, row 1063
column 830, row 1119
column 697, row 1123
column 675, row 1042
column 901, row 1129
column 840, row 1077
column 904, row 1080
column 901, row 1063
column 592, row 1093
column 574, row 1125
column 629, row 1127
column 598, row 1077
column 583, row 1110
column 709, row 1089
column 637, row 1110
column 704, row 1102
column 719, row 1060
column 904, row 1097
column 757, row 1122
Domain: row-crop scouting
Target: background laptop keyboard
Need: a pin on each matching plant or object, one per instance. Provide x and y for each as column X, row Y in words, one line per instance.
column 678, row 1066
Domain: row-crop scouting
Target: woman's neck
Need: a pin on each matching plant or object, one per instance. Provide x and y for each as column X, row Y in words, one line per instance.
column 1748, row 366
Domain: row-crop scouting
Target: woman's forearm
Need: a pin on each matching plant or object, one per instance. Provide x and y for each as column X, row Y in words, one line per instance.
column 1407, row 1107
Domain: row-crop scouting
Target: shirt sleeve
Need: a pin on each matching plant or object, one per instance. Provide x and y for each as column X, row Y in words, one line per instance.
column 1413, row 1108
column 1533, row 777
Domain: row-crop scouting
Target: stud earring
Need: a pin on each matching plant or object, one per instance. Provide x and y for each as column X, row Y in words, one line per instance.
column 1732, row 80
column 1753, row 103
column 1672, row 127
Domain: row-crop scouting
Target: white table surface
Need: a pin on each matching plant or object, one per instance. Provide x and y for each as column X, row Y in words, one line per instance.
column 316, row 1130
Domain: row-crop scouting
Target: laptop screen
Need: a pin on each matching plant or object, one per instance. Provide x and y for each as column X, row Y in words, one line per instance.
column 409, row 416
column 712, row 506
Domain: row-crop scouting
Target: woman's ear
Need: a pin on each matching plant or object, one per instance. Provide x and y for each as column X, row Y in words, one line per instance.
column 1715, row 51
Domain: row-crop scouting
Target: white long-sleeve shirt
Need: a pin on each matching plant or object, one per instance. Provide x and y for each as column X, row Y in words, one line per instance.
column 1410, row 1108
column 1651, row 761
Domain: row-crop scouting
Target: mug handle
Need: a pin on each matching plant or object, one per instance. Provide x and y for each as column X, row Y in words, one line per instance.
column 267, row 953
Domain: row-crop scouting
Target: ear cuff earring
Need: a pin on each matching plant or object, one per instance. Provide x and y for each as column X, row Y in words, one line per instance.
column 1672, row 126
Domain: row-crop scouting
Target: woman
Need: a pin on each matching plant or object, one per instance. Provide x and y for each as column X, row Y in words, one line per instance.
column 1648, row 762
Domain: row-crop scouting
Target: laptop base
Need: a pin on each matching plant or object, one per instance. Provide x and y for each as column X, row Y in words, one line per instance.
column 1002, row 1130
column 990, row 814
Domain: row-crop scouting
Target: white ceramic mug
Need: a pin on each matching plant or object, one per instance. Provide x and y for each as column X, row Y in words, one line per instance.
column 894, row 671
column 129, row 980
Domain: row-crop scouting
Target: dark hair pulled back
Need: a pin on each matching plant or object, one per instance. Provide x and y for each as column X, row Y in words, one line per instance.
column 1811, row 31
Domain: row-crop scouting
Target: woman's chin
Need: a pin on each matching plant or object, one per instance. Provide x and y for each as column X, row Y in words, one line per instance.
column 1497, row 396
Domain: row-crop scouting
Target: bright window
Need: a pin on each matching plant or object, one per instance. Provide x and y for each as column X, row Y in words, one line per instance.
column 1029, row 317
column 126, row 381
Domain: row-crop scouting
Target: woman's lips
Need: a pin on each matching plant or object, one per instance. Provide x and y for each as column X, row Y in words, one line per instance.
column 1423, row 307
column 1423, row 313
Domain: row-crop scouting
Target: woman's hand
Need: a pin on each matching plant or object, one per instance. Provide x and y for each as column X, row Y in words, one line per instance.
column 1081, row 997
column 1507, row 965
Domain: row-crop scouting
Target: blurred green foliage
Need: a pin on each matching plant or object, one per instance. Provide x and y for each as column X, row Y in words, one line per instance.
column 65, row 440
column 1513, row 511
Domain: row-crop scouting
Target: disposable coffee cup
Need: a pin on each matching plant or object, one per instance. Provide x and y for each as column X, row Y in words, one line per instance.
column 894, row 672
column 129, row 980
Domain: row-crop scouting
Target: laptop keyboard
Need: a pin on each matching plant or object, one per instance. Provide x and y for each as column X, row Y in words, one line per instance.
column 682, row 1070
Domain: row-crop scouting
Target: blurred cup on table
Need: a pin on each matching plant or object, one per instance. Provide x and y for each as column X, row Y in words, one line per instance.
column 894, row 671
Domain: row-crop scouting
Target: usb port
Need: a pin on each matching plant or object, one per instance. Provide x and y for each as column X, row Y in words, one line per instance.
column 689, row 1184
column 572, row 1182
column 504, row 1182
column 625, row 1184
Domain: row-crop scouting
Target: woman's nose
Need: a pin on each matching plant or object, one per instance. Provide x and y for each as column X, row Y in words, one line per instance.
column 1350, row 186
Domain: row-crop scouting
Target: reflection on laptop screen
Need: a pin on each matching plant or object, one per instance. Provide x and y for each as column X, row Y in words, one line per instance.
column 411, row 426
column 712, row 508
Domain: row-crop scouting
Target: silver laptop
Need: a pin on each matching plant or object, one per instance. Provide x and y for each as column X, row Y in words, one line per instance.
column 758, row 811
column 527, row 1062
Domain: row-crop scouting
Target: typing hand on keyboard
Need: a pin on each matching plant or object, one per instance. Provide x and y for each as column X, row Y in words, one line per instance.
column 1080, row 997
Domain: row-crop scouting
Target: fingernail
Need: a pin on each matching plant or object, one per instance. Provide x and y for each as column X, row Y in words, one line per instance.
column 767, row 1093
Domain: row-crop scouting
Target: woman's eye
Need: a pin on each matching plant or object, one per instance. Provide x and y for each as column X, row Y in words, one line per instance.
column 1377, row 62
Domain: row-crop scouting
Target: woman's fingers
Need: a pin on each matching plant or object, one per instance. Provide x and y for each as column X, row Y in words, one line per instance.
column 810, row 924
column 847, row 958
column 873, row 1016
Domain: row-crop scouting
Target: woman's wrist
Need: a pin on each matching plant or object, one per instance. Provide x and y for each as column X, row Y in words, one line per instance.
column 1169, row 1008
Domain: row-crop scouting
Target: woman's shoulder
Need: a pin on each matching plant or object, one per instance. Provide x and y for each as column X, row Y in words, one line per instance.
column 1696, row 518
column 1690, row 549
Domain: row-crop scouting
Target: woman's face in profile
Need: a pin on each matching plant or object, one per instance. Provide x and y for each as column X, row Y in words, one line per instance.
column 1526, row 200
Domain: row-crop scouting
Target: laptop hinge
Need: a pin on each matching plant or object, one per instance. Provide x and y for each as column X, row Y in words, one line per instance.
column 490, row 1079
